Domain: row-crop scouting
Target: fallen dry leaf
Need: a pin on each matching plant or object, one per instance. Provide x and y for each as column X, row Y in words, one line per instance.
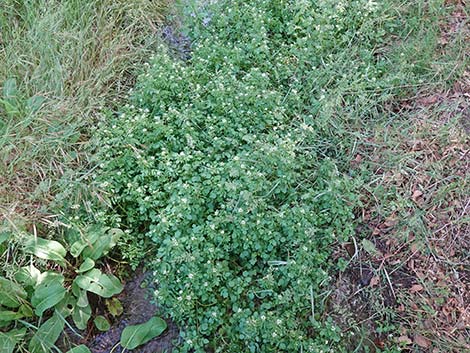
column 404, row 339
column 443, row 41
column 416, row 195
column 416, row 288
column 430, row 99
column 374, row 281
column 357, row 159
column 422, row 341
column 390, row 222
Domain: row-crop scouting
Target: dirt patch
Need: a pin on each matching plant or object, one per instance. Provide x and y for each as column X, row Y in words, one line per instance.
column 420, row 229
column 416, row 285
column 413, row 290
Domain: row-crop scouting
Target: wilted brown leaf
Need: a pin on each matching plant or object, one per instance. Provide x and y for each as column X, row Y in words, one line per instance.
column 416, row 288
column 429, row 100
column 416, row 195
column 422, row 341
column 391, row 222
column 374, row 281
column 404, row 339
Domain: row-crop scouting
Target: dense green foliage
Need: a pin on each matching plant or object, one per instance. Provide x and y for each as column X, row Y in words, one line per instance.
column 229, row 171
column 223, row 166
column 53, row 286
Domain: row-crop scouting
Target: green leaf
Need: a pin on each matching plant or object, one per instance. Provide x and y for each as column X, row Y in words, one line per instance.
column 47, row 335
column 80, row 316
column 34, row 103
column 101, row 323
column 66, row 306
column 75, row 289
column 8, row 340
column 48, row 293
column 136, row 335
column 369, row 247
column 80, row 349
column 10, row 106
column 102, row 245
column 82, row 299
column 114, row 306
column 87, row 265
column 99, row 283
column 77, row 247
column 8, row 315
column 92, row 234
column 10, row 89
column 4, row 236
column 80, row 294
column 26, row 310
column 47, row 249
column 28, row 275
column 11, row 294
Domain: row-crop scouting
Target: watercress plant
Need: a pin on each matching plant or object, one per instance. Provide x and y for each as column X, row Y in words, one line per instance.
column 222, row 168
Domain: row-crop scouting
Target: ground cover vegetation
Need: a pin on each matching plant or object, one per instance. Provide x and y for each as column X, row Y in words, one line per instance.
column 409, row 286
column 296, row 181
column 231, row 169
column 60, row 62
